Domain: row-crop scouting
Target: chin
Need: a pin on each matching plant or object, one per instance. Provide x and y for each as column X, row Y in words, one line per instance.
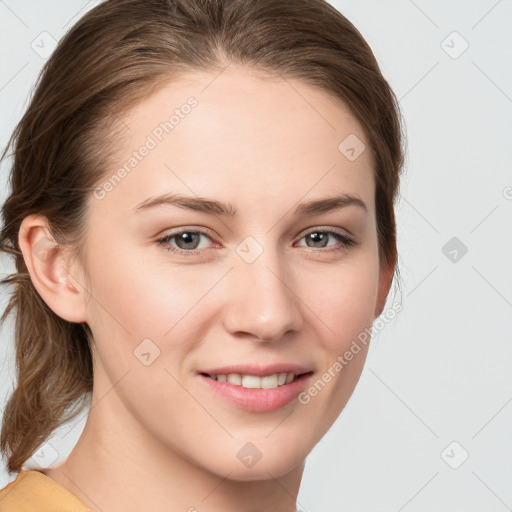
column 266, row 470
column 259, row 461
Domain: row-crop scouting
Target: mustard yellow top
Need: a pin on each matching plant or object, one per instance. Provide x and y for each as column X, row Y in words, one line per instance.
column 33, row 491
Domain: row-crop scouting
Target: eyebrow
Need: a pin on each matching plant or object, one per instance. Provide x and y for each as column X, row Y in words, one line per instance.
column 213, row 207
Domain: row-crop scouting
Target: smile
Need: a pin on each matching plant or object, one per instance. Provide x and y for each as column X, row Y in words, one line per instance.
column 255, row 393
column 254, row 381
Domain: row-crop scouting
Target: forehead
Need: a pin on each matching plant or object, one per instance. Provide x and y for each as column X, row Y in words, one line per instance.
column 240, row 131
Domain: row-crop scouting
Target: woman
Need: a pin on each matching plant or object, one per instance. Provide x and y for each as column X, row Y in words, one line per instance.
column 202, row 220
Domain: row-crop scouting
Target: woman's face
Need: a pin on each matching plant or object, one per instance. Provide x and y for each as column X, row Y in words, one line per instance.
column 251, row 275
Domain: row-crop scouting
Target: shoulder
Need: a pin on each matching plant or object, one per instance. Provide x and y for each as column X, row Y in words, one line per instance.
column 34, row 491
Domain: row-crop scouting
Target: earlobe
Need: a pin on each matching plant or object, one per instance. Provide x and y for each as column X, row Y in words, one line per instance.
column 48, row 266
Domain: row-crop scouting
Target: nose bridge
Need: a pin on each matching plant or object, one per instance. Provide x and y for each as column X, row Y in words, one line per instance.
column 262, row 301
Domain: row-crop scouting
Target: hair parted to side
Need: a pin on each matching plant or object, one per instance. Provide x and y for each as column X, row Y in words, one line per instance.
column 116, row 55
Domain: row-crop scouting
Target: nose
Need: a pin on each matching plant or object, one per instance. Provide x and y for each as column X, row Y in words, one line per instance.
column 262, row 302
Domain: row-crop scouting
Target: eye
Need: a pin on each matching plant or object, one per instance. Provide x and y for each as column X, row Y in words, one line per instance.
column 319, row 239
column 187, row 241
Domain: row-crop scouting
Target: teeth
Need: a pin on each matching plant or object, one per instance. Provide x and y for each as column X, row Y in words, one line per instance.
column 235, row 378
column 253, row 381
column 269, row 381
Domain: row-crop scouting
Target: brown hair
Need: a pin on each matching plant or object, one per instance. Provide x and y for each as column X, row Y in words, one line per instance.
column 113, row 57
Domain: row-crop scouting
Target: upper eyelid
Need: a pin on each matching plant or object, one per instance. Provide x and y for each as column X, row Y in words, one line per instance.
column 202, row 231
column 342, row 231
column 207, row 232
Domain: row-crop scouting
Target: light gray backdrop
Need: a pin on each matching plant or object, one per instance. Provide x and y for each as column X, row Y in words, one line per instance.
column 429, row 425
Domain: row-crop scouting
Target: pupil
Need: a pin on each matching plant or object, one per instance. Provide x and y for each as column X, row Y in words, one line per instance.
column 186, row 238
column 318, row 237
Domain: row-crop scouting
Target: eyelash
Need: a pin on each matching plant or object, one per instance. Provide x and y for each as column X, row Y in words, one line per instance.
column 346, row 241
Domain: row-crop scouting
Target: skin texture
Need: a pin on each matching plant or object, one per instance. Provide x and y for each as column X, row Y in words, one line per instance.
column 156, row 438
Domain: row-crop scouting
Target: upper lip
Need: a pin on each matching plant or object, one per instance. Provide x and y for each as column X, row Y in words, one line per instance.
column 259, row 370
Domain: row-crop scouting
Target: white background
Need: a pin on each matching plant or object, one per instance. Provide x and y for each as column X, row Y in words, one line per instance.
column 441, row 371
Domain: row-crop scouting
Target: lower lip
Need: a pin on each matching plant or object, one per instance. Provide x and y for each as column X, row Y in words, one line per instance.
column 257, row 399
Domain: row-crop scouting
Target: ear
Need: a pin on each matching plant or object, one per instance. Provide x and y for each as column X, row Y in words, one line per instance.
column 385, row 279
column 50, row 271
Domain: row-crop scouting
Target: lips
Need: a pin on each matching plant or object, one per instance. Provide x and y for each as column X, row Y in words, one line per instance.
column 258, row 370
column 257, row 388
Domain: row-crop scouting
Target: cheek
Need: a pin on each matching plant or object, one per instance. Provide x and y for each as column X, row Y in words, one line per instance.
column 343, row 298
column 344, row 303
column 138, row 297
column 132, row 294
